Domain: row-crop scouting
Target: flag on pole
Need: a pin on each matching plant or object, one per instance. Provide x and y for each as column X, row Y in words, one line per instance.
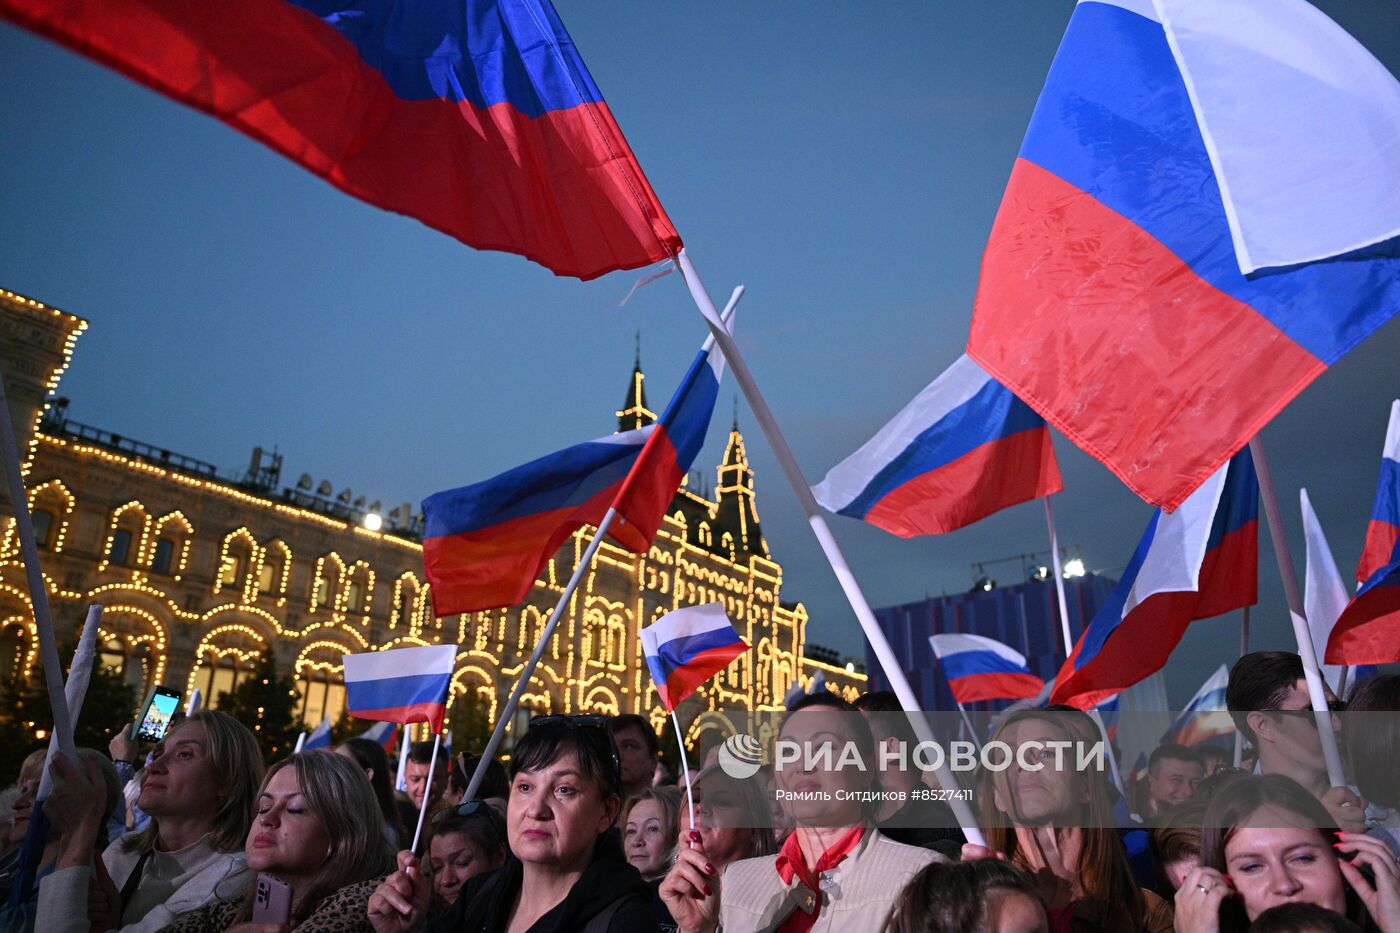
column 1324, row 593
column 1368, row 630
column 980, row 668
column 1205, row 717
column 320, row 737
column 1197, row 562
column 687, row 647
column 476, row 117
column 485, row 544
column 385, row 734
column 965, row 447
column 1119, row 294
column 401, row 685
column 1108, row 710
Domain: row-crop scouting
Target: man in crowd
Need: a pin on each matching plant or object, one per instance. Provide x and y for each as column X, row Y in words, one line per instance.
column 415, row 775
column 1173, row 774
column 1268, row 699
column 637, row 751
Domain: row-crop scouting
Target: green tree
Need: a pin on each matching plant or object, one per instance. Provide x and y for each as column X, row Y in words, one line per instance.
column 266, row 701
column 470, row 722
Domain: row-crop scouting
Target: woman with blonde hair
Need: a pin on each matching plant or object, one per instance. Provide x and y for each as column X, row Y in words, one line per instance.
column 1056, row 823
column 199, row 790
column 318, row 828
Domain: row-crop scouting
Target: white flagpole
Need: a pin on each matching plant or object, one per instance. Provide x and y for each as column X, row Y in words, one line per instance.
column 75, row 690
column 196, row 702
column 873, row 633
column 1244, row 650
column 400, row 781
column 301, row 740
column 976, row 739
column 508, row 711
column 1059, row 578
column 1108, row 750
column 38, row 590
column 427, row 791
column 1301, row 632
column 685, row 769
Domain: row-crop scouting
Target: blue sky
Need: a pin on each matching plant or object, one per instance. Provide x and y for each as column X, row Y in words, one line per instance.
column 845, row 167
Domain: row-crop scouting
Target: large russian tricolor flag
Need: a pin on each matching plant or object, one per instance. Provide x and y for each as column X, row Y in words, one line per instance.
column 1368, row 630
column 477, row 117
column 687, row 647
column 1197, row 562
column 400, row 685
column 980, row 668
column 1205, row 718
column 484, row 544
column 1160, row 162
column 965, row 447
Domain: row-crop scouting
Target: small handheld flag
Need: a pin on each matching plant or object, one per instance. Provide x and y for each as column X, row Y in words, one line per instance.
column 1368, row 630
column 384, row 734
column 320, row 737
column 980, row 668
column 1204, row 718
column 401, row 685
column 965, row 447
column 687, row 647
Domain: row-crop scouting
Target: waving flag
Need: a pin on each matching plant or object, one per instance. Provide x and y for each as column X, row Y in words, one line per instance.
column 320, row 737
column 400, row 685
column 385, row 734
column 1205, row 717
column 484, row 545
column 965, row 447
column 1111, row 296
column 477, row 117
column 687, row 647
column 980, row 668
column 1368, row 631
column 1324, row 593
column 1197, row 562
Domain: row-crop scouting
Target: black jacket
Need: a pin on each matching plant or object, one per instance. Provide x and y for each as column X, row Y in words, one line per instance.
column 485, row 902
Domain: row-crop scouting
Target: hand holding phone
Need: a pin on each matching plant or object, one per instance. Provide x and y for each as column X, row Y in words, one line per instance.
column 272, row 900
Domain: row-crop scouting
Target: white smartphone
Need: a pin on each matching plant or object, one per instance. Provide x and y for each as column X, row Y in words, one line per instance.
column 272, row 900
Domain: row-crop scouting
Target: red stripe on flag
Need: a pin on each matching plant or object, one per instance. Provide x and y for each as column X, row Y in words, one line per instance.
column 431, row 713
column 563, row 189
column 1120, row 345
column 1368, row 631
column 1376, row 553
column 982, row 481
column 1000, row 686
column 684, row 680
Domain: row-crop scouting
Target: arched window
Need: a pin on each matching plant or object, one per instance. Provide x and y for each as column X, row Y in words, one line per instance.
column 354, row 596
column 173, row 534
column 120, row 551
column 359, row 587
column 236, row 556
column 272, row 574
column 320, row 683
column 43, row 527
column 165, row 552
column 220, row 674
column 325, row 586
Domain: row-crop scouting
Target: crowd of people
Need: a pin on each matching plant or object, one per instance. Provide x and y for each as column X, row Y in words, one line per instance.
column 582, row 830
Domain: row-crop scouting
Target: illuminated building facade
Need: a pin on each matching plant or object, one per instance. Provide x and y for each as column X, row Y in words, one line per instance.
column 200, row 571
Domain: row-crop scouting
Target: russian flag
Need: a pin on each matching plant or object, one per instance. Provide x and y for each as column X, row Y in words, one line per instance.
column 1112, row 296
column 1197, row 562
column 477, row 117
column 965, row 447
column 980, row 668
column 1368, row 630
column 400, row 685
column 484, row 544
column 687, row 647
column 1205, row 717
column 386, row 734
column 320, row 737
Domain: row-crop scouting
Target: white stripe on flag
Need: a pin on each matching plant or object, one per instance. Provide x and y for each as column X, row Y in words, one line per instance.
column 1173, row 562
column 1324, row 592
column 1392, row 433
column 848, row 479
column 1215, row 683
column 683, row 623
column 945, row 646
column 400, row 662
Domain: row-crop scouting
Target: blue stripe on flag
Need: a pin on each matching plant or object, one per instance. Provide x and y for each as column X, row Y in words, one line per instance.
column 393, row 692
column 678, row 652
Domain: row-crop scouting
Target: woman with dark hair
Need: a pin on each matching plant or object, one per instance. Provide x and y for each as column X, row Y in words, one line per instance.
column 981, row 896
column 835, row 871
column 374, row 761
column 198, row 789
column 467, row 840
column 1267, row 841
column 566, row 872
column 317, row 828
column 1371, row 734
column 1056, row 822
column 1302, row 918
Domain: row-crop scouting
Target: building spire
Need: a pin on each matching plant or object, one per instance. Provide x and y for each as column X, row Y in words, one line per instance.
column 635, row 413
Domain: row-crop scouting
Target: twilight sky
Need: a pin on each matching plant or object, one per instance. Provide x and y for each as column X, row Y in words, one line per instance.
column 845, row 166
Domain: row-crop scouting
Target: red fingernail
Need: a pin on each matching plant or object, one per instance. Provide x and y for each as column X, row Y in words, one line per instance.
column 709, row 869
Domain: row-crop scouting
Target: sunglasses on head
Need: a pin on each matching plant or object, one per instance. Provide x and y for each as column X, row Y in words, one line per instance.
column 594, row 726
column 464, row 809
